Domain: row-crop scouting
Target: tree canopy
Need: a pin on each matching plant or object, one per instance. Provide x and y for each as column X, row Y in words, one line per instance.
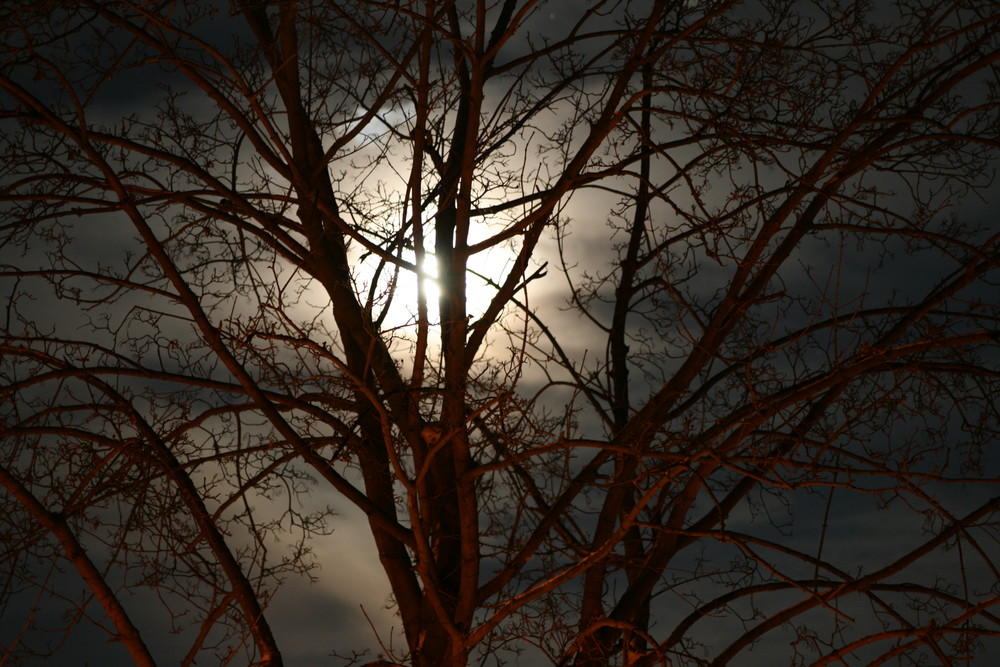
column 632, row 332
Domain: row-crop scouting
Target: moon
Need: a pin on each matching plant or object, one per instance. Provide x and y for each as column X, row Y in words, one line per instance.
column 485, row 271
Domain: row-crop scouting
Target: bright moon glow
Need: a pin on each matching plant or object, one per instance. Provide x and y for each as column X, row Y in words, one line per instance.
column 483, row 268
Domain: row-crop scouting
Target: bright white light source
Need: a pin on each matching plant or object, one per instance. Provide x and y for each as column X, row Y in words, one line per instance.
column 483, row 269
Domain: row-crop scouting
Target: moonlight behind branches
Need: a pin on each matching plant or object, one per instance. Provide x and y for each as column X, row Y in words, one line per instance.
column 630, row 332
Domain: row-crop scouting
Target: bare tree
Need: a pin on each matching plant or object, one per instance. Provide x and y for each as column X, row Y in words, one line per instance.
column 642, row 332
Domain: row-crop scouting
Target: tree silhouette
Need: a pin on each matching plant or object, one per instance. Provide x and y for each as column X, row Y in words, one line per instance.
column 658, row 332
